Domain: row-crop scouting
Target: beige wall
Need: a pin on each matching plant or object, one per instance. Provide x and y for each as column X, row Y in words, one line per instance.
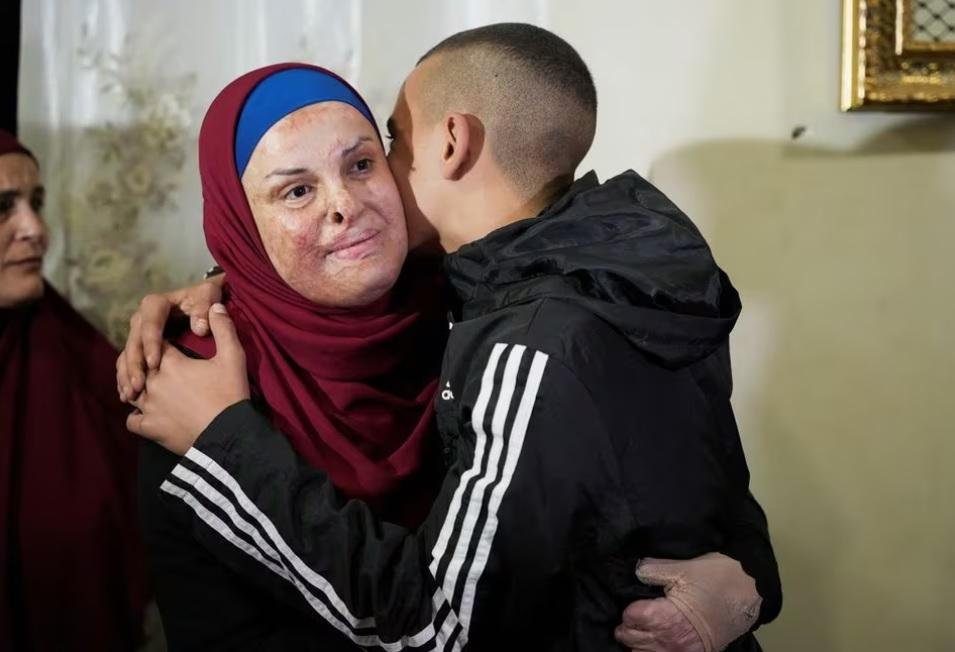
column 841, row 244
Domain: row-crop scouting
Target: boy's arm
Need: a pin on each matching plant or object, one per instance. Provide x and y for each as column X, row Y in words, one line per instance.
column 488, row 558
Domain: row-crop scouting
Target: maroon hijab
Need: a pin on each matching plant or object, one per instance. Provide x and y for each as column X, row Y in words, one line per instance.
column 10, row 145
column 352, row 389
column 72, row 572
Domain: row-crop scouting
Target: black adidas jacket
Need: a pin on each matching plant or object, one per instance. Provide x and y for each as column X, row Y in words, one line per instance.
column 585, row 415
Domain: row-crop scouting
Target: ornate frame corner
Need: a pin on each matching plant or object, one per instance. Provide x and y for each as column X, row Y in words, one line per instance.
column 885, row 68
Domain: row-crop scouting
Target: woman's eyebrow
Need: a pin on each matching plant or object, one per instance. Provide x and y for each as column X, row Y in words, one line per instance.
column 358, row 143
column 289, row 172
column 286, row 172
column 13, row 193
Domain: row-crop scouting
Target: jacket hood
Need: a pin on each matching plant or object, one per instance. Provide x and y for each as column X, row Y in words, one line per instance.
column 620, row 250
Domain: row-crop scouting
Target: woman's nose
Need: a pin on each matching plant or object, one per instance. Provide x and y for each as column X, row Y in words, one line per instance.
column 30, row 225
column 343, row 207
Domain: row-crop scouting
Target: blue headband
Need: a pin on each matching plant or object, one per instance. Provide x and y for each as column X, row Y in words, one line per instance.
column 280, row 94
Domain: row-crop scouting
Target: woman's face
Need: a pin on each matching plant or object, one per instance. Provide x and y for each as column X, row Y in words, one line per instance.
column 23, row 235
column 326, row 206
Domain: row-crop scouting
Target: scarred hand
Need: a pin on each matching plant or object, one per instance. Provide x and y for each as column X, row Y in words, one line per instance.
column 183, row 396
column 144, row 344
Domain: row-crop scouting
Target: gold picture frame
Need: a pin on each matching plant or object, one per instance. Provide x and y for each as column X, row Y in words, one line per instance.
column 891, row 60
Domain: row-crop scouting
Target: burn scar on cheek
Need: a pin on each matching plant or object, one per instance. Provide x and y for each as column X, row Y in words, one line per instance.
column 304, row 241
column 304, row 235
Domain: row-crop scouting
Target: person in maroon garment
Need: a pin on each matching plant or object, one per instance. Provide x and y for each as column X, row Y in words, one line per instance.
column 344, row 339
column 71, row 562
column 344, row 355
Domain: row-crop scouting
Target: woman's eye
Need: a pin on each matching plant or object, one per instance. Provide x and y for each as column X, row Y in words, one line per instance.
column 6, row 205
column 37, row 204
column 363, row 165
column 297, row 192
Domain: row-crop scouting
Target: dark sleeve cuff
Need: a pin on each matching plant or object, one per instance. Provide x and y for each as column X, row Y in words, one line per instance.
column 243, row 444
column 222, row 437
column 751, row 547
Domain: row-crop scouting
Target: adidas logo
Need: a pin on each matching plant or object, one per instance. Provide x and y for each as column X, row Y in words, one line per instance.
column 447, row 394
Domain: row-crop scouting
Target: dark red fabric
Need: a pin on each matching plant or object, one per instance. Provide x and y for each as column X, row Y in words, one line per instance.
column 73, row 574
column 352, row 389
column 10, row 145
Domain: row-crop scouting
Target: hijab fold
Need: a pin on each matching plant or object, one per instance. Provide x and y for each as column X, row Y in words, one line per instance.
column 72, row 558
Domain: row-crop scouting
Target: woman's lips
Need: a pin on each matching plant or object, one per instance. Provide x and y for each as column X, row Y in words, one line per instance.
column 33, row 263
column 357, row 246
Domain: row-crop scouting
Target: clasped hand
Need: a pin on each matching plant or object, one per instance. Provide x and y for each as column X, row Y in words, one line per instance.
column 181, row 396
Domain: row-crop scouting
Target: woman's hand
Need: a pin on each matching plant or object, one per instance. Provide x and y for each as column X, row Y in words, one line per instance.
column 183, row 396
column 710, row 602
column 144, row 344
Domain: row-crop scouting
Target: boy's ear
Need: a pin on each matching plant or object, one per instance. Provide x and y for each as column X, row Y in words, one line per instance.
column 464, row 137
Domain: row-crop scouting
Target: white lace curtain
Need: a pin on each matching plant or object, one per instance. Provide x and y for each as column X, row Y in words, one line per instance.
column 112, row 93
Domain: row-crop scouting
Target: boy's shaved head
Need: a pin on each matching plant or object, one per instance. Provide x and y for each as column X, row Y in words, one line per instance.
column 528, row 86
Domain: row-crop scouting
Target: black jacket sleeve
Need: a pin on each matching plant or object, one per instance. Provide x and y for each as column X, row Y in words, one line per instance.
column 204, row 605
column 750, row 545
column 747, row 539
column 528, row 487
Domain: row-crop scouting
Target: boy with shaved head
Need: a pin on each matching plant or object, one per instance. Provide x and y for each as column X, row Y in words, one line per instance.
column 513, row 71
column 585, row 406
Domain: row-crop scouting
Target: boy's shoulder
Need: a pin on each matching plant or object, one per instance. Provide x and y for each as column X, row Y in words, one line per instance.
column 566, row 331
